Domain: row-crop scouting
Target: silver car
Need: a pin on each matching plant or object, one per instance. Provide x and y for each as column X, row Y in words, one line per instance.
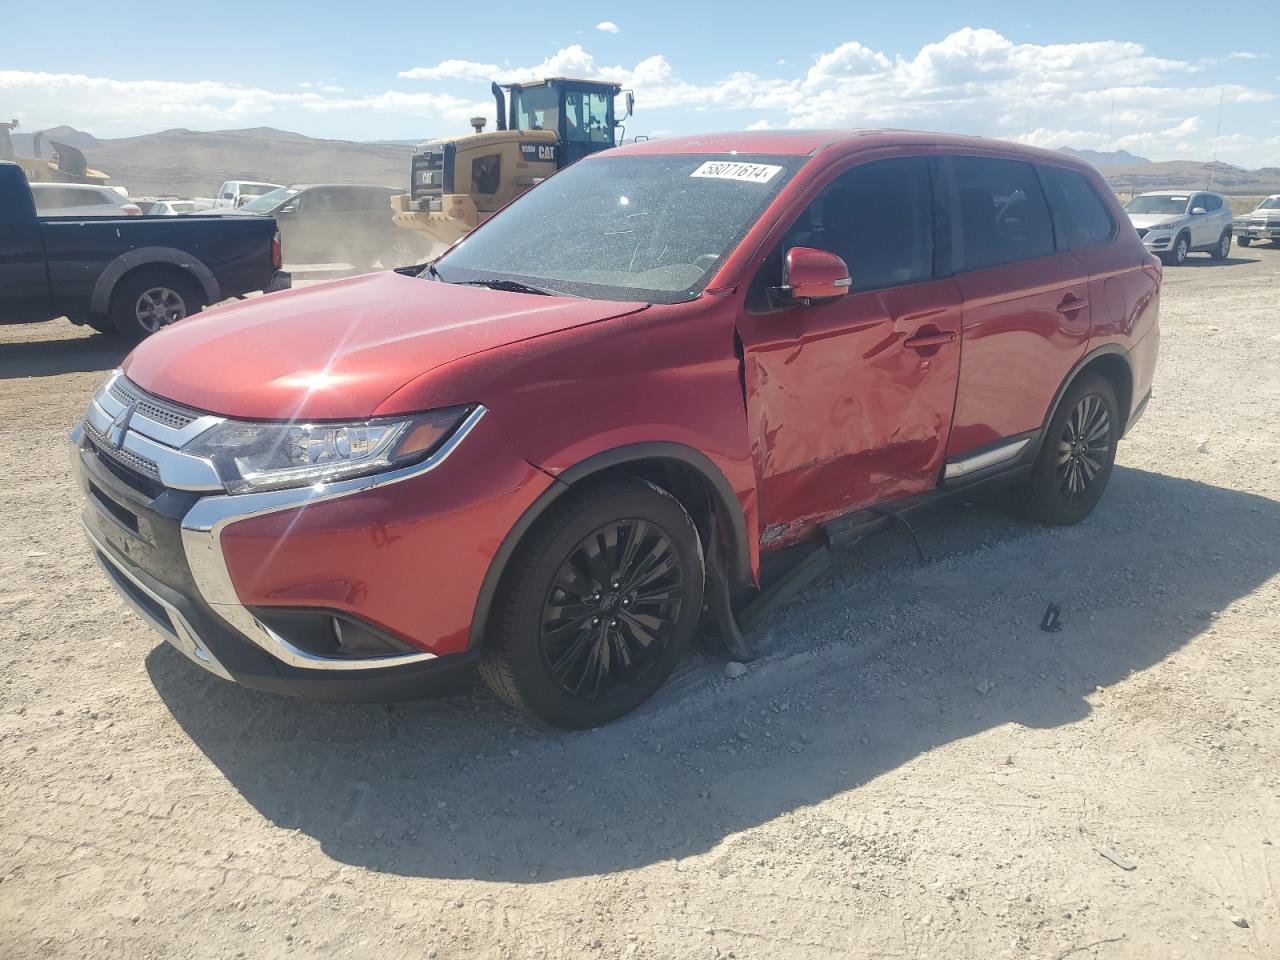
column 1262, row 224
column 1173, row 224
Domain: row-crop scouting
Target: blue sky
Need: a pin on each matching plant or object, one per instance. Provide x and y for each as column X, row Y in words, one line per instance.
column 1083, row 74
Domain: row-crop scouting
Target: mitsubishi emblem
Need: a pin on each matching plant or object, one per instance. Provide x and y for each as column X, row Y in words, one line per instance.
column 120, row 426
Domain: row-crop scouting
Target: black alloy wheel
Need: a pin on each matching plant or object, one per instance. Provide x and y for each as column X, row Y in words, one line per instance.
column 1077, row 454
column 597, row 605
column 612, row 610
column 1083, row 447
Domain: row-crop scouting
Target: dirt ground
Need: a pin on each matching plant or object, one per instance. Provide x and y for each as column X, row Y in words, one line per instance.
column 914, row 769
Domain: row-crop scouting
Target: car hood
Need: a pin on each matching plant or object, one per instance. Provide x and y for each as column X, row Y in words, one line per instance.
column 1147, row 221
column 338, row 350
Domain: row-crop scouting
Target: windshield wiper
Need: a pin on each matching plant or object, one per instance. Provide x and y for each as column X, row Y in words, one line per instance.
column 511, row 286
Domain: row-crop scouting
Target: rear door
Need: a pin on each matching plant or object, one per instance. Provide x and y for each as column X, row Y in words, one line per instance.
column 849, row 402
column 1026, row 306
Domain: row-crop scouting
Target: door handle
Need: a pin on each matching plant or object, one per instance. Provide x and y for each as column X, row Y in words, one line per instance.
column 1072, row 304
column 926, row 341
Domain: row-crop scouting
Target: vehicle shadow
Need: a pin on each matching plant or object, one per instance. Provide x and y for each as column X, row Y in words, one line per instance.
column 1211, row 262
column 52, row 358
column 881, row 661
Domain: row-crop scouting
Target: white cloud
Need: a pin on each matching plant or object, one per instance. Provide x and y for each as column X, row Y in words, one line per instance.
column 1247, row 55
column 1101, row 94
column 607, row 26
column 107, row 107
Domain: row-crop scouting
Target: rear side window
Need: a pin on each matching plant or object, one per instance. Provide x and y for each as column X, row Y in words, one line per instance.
column 878, row 218
column 1081, row 214
column 1212, row 202
column 1003, row 214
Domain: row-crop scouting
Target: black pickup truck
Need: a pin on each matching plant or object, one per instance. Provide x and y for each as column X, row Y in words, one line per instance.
column 126, row 275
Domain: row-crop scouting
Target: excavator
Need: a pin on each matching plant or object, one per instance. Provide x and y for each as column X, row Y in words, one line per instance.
column 456, row 184
column 67, row 166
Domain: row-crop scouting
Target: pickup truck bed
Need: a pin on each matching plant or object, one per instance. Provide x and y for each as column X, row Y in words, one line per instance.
column 128, row 275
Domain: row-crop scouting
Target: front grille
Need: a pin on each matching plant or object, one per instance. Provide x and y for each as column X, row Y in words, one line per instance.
column 170, row 416
column 126, row 458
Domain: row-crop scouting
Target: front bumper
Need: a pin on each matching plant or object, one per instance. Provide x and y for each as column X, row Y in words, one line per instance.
column 1257, row 230
column 249, row 586
column 139, row 544
column 1157, row 242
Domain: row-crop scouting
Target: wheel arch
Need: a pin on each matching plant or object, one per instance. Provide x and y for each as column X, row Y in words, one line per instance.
column 161, row 258
column 685, row 473
column 1110, row 361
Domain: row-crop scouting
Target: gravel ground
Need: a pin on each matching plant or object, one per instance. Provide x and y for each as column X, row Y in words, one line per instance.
column 913, row 769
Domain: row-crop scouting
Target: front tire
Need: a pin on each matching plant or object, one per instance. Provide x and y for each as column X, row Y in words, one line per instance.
column 145, row 302
column 1223, row 249
column 1077, row 454
column 1243, row 241
column 599, row 605
column 1178, row 255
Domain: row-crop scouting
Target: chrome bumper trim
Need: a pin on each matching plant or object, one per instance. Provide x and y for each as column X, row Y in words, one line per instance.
column 988, row 458
column 178, row 632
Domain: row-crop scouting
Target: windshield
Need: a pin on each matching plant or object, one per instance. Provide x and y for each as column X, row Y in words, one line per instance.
column 1158, row 204
column 269, row 201
column 1271, row 203
column 624, row 228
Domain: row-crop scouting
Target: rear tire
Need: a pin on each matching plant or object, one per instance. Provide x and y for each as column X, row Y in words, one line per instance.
column 1077, row 454
column 600, row 603
column 1223, row 249
column 102, row 324
column 148, row 300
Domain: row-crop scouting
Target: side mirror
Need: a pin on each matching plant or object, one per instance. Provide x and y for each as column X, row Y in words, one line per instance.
column 631, row 103
column 809, row 274
column 1198, row 211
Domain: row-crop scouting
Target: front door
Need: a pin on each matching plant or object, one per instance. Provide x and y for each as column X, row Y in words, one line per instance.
column 849, row 402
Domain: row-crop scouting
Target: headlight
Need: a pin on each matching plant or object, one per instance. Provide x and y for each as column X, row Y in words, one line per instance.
column 269, row 456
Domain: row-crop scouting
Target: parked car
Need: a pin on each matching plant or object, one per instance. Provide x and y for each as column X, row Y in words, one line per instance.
column 625, row 399
column 236, row 193
column 1173, row 225
column 1262, row 224
column 81, row 200
column 124, row 276
column 331, row 223
column 171, row 208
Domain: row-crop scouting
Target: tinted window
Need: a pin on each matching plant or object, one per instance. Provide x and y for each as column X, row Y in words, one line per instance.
column 1212, row 202
column 878, row 218
column 1081, row 215
column 1003, row 214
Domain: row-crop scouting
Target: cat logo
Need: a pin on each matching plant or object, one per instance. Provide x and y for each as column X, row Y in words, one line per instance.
column 540, row 152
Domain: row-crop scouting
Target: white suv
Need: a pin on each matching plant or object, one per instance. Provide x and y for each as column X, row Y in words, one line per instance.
column 234, row 194
column 81, row 200
column 1173, row 224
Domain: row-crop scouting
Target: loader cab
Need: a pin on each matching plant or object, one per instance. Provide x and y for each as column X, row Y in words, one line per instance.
column 579, row 112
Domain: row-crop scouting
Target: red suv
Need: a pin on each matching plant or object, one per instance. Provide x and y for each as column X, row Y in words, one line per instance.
column 590, row 426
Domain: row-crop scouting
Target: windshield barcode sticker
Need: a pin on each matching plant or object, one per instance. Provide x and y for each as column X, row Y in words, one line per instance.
column 732, row 170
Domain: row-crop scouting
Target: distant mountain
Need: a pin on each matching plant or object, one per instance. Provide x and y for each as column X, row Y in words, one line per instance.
column 190, row 163
column 1107, row 158
column 23, row 140
column 1193, row 175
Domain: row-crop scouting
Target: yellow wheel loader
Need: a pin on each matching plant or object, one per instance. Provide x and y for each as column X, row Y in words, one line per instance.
column 67, row 166
column 456, row 184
